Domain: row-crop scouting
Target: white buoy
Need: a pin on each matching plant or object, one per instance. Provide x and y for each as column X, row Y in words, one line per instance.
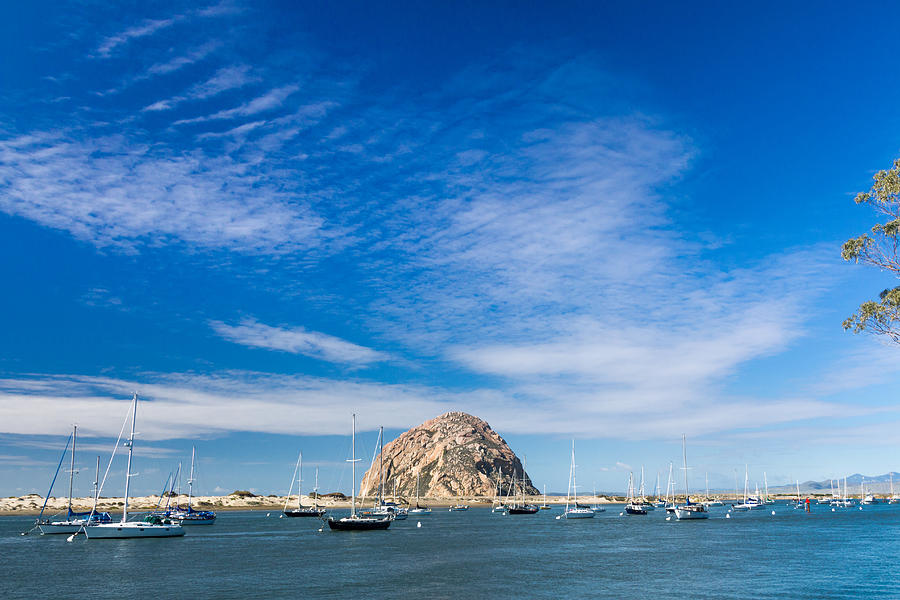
column 728, row 516
column 280, row 516
column 320, row 529
column 773, row 513
column 668, row 518
column 267, row 514
column 832, row 510
column 557, row 517
column 620, row 514
column 860, row 508
column 418, row 523
column 70, row 538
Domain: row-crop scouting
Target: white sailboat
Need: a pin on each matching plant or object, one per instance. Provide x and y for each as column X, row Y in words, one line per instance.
column 73, row 520
column 709, row 500
column 766, row 499
column 301, row 511
column 864, row 497
column 689, row 511
column 799, row 503
column 574, row 511
column 750, row 502
column 153, row 526
column 633, row 506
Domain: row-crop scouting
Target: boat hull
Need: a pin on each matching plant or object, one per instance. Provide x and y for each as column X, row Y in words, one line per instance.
column 578, row 513
column 688, row 514
column 132, row 530
column 634, row 510
column 522, row 510
column 351, row 524
column 192, row 522
column 55, row 528
column 304, row 512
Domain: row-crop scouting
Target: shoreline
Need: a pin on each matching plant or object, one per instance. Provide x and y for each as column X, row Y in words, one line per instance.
column 30, row 505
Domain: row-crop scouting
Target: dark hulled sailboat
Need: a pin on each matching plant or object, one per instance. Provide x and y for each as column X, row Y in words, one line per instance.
column 357, row 522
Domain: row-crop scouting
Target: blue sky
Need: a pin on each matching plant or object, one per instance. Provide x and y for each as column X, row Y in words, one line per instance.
column 618, row 223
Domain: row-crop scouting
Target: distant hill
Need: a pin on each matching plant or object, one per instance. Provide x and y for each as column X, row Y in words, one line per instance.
column 877, row 484
column 454, row 454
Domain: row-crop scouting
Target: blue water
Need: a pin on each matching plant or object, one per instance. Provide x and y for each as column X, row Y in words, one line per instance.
column 476, row 554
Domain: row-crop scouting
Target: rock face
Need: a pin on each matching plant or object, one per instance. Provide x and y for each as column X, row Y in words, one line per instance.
column 454, row 454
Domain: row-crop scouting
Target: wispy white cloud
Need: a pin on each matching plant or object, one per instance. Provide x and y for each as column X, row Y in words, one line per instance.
column 226, row 78
column 180, row 406
column 148, row 27
column 297, row 340
column 111, row 192
column 179, row 62
column 272, row 99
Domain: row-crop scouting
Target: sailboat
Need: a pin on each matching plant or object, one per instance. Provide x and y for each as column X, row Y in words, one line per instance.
column 633, row 506
column 749, row 502
column 74, row 520
column 301, row 511
column 459, row 506
column 575, row 512
column 544, row 505
column 658, row 501
column 689, row 511
column 864, row 497
column 646, row 504
column 844, row 500
column 419, row 509
column 766, row 499
column 187, row 515
column 151, row 526
column 522, row 508
column 711, row 501
column 669, row 502
column 799, row 503
column 499, row 505
column 357, row 522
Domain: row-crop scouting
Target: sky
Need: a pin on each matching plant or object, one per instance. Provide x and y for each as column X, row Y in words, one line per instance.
column 610, row 222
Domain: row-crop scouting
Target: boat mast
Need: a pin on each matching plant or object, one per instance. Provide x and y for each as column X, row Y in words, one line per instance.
column 642, row 483
column 707, row 485
column 191, row 480
column 353, row 462
column 381, row 464
column 687, row 495
column 766, row 480
column 572, row 480
column 291, row 488
column 299, row 480
column 130, row 444
column 316, row 489
column 97, row 480
column 746, row 481
column 72, row 467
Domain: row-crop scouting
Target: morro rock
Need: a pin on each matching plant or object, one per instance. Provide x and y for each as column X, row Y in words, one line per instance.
column 454, row 455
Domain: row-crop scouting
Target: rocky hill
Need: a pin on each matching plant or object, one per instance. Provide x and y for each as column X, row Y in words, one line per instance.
column 454, row 454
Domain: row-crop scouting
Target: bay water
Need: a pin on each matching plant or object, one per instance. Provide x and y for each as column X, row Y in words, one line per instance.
column 846, row 553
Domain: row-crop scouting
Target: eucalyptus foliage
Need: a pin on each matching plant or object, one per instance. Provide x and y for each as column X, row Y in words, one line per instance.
column 880, row 248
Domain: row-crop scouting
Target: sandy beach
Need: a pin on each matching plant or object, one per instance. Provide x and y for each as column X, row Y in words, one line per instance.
column 31, row 504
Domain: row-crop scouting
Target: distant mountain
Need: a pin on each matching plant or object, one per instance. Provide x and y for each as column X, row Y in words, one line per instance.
column 877, row 484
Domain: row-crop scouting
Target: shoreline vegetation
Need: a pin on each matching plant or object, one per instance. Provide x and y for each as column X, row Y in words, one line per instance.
column 31, row 504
